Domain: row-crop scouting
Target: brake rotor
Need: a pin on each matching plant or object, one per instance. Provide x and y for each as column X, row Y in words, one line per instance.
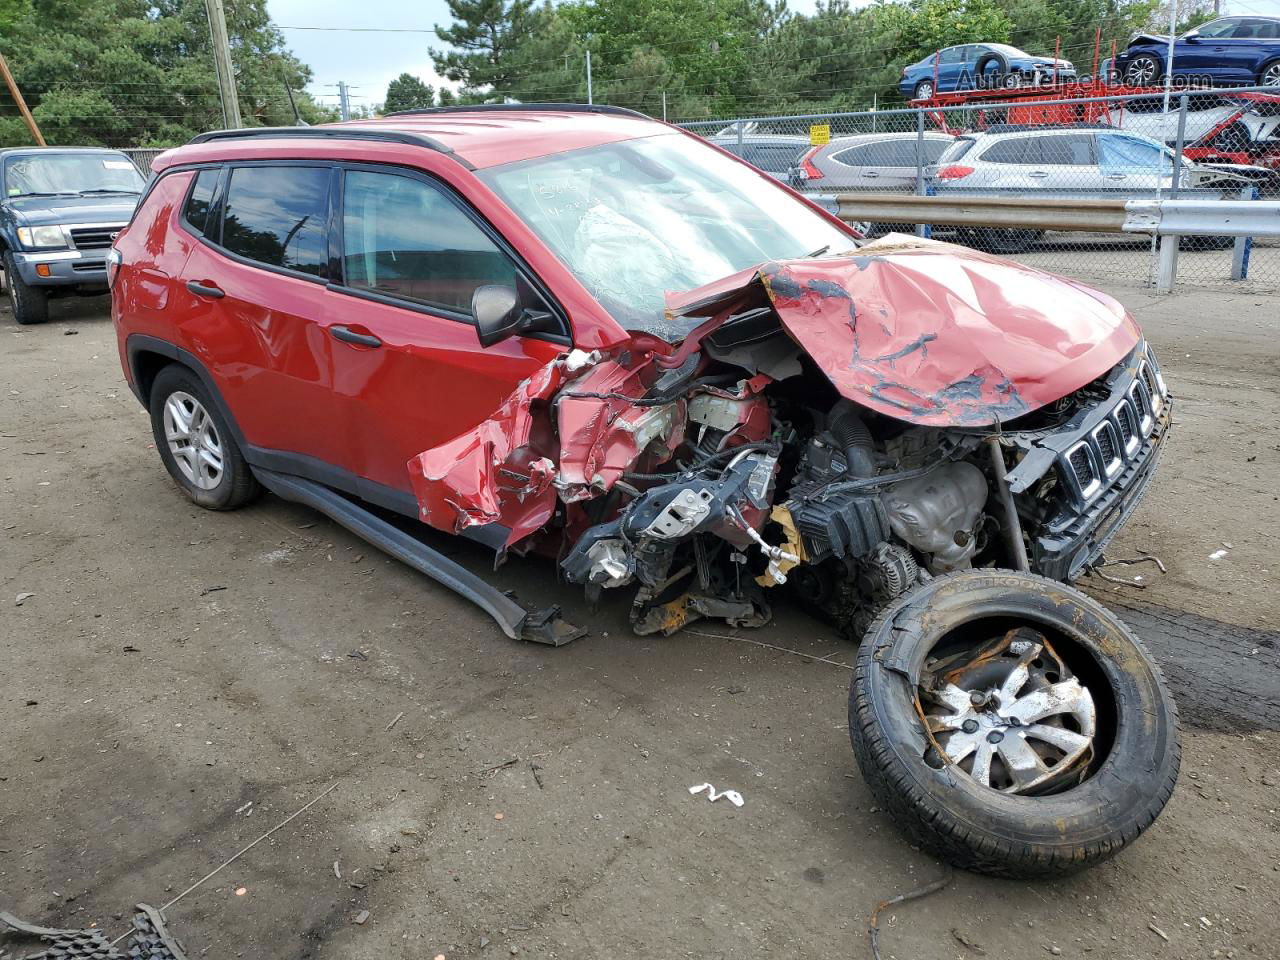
column 1011, row 715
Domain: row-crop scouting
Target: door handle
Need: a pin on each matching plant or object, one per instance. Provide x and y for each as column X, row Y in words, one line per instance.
column 870, row 174
column 1117, row 176
column 347, row 335
column 1038, row 173
column 204, row 290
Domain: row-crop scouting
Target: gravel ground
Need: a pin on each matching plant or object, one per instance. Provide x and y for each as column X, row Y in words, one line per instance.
column 182, row 681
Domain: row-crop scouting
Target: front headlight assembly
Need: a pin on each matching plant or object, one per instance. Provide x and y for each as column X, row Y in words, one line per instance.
column 38, row 238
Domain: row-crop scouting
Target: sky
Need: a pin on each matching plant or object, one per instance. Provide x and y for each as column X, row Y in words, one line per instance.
column 369, row 59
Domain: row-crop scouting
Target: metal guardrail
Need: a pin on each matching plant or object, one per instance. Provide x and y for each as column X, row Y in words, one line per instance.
column 1208, row 218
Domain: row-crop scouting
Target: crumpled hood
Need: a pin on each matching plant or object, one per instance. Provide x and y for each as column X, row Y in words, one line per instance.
column 933, row 333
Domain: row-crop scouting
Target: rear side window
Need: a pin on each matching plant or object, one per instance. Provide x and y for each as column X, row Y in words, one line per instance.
column 406, row 238
column 954, row 151
column 1072, row 149
column 278, row 216
column 196, row 212
column 1012, row 151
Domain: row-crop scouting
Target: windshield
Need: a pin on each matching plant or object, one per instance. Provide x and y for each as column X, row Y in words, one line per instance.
column 636, row 220
column 70, row 173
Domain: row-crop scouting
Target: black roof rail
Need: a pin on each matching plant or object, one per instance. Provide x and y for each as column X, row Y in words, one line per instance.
column 512, row 107
column 334, row 132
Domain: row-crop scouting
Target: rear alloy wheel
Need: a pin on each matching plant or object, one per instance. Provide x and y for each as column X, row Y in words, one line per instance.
column 1012, row 725
column 1270, row 75
column 1143, row 71
column 195, row 443
column 924, row 90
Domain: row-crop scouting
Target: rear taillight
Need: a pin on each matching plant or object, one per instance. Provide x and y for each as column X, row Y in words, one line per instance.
column 807, row 169
column 954, row 172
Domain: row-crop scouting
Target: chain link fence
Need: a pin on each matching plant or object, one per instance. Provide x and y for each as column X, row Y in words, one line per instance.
column 1203, row 144
column 142, row 158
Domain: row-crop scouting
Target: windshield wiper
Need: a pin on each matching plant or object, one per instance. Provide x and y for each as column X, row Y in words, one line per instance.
column 817, row 253
column 37, row 193
column 132, row 193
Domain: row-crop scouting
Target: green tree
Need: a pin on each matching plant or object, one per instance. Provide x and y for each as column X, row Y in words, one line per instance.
column 486, row 35
column 407, row 92
column 140, row 72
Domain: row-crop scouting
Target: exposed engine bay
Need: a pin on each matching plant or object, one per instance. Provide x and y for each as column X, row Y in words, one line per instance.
column 706, row 476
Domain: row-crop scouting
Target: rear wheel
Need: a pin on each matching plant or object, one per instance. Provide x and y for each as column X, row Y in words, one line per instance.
column 924, row 90
column 30, row 304
column 1012, row 725
column 195, row 443
column 1142, row 71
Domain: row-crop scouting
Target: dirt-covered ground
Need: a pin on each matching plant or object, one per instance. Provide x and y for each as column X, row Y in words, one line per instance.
column 182, row 681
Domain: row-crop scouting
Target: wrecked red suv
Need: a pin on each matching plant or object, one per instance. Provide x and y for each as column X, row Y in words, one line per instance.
column 586, row 334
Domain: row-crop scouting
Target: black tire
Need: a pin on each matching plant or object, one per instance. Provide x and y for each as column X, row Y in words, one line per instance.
column 944, row 810
column 30, row 304
column 235, row 485
column 1144, row 70
column 1004, row 240
column 924, row 90
column 980, row 66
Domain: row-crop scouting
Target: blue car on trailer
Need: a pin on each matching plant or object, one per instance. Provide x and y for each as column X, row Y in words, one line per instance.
column 979, row 66
column 1229, row 50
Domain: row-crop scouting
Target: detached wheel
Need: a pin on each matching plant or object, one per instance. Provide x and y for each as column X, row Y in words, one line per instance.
column 30, row 304
column 196, row 445
column 1051, row 742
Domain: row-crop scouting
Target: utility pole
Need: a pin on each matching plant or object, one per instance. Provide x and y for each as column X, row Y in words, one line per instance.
column 344, row 102
column 589, row 100
column 22, row 104
column 222, row 64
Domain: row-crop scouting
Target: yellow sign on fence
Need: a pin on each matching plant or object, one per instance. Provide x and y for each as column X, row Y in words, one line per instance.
column 819, row 134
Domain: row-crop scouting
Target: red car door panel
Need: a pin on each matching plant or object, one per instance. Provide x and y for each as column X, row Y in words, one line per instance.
column 254, row 310
column 412, row 257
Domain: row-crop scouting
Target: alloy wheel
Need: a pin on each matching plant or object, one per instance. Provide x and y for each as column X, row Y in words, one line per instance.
column 924, row 90
column 193, row 440
column 1271, row 75
column 1142, row 72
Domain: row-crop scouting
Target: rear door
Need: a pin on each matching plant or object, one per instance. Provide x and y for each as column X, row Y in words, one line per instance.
column 409, row 254
column 256, row 306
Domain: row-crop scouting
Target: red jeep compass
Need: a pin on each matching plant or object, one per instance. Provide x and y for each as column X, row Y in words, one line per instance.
column 578, row 332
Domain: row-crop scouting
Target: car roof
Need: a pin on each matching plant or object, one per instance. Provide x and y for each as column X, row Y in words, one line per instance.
column 859, row 139
column 479, row 136
column 786, row 138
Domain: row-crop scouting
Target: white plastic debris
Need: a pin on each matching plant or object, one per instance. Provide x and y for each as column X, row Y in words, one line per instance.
column 1217, row 555
column 733, row 796
column 576, row 359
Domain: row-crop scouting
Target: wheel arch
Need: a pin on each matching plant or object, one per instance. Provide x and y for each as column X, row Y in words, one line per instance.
column 149, row 355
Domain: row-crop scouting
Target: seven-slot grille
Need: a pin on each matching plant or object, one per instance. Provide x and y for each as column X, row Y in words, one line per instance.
column 1094, row 461
column 95, row 237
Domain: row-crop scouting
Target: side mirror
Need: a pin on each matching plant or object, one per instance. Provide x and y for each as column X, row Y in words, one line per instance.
column 1192, row 37
column 499, row 314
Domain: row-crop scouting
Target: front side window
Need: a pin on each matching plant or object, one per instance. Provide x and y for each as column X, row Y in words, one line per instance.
column 278, row 216
column 406, row 238
column 71, row 174
column 639, row 219
column 1131, row 155
column 1220, row 28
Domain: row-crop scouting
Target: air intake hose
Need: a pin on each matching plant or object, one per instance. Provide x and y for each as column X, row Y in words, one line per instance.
column 853, row 437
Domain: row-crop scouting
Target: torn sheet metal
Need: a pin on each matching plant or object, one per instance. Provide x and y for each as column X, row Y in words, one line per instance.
column 499, row 472
column 933, row 333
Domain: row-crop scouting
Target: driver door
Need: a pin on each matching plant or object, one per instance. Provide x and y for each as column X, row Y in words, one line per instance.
column 406, row 361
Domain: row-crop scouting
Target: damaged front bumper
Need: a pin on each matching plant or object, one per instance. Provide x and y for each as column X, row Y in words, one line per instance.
column 1099, row 465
